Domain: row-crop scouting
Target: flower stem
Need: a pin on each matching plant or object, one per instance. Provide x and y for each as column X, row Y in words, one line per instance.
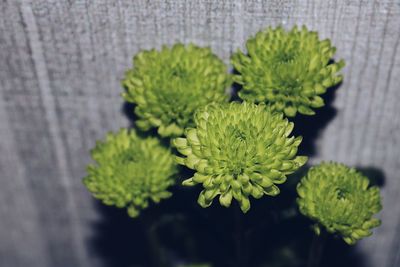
column 316, row 249
column 239, row 239
column 157, row 254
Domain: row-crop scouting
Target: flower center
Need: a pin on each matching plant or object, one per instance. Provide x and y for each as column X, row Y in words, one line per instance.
column 285, row 57
column 237, row 168
column 181, row 74
column 341, row 193
column 178, row 73
column 128, row 157
column 239, row 135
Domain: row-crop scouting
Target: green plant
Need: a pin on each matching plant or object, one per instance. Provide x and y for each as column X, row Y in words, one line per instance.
column 287, row 70
column 168, row 86
column 130, row 170
column 234, row 150
column 237, row 151
column 339, row 199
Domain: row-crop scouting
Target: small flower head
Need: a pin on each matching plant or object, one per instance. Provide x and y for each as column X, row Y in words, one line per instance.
column 340, row 199
column 167, row 86
column 237, row 151
column 287, row 70
column 129, row 171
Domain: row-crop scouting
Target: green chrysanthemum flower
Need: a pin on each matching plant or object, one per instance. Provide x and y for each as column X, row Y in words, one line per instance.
column 287, row 70
column 167, row 86
column 130, row 171
column 237, row 151
column 340, row 199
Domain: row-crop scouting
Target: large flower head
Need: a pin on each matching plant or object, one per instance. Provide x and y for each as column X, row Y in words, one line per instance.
column 130, row 171
column 287, row 70
column 167, row 86
column 237, row 151
column 340, row 199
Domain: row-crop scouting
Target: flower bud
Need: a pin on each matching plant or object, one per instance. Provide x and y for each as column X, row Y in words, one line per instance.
column 129, row 171
column 339, row 199
column 286, row 70
column 239, row 156
column 167, row 86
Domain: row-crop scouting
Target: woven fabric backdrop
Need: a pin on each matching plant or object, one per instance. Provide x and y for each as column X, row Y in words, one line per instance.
column 61, row 63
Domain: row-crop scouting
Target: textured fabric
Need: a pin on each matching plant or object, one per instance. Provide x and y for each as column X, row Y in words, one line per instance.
column 61, row 63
